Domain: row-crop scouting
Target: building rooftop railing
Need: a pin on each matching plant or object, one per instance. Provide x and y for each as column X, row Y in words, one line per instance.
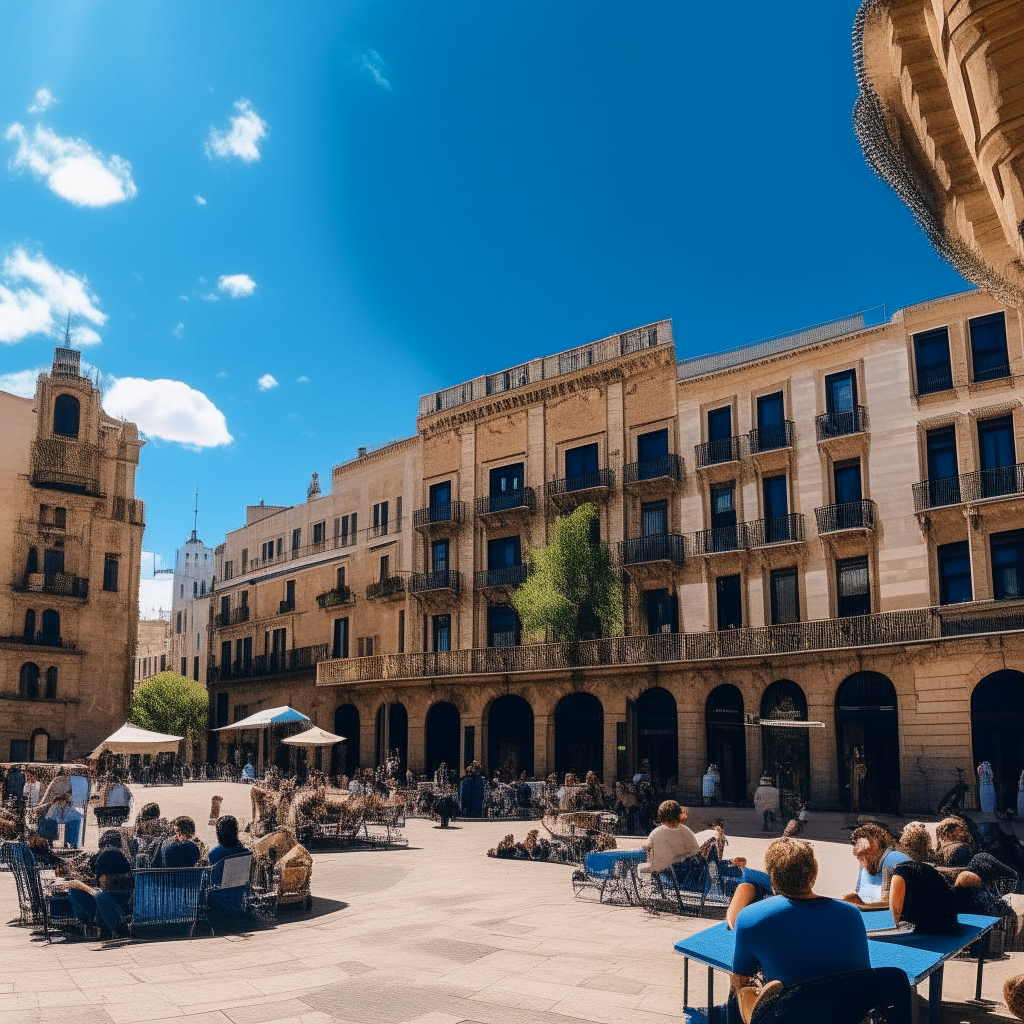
column 881, row 628
column 295, row 660
column 985, row 485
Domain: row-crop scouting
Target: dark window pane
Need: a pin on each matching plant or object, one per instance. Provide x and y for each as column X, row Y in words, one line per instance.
column 507, row 480
column 840, row 391
column 439, row 556
column 988, row 347
column 776, row 499
column 502, row 626
column 652, row 446
column 654, row 518
column 1007, row 564
column 66, row 415
column 581, row 462
column 954, row 573
column 662, row 611
column 53, row 562
column 442, row 632
column 785, row 596
column 503, row 552
column 730, row 602
column 847, row 481
column 853, row 588
column 720, row 424
column 943, row 481
column 340, row 649
column 931, row 350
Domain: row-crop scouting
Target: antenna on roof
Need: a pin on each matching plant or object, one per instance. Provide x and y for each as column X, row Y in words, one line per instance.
column 67, row 331
column 195, row 513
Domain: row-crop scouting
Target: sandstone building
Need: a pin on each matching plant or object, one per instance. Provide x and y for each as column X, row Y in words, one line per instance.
column 826, row 527
column 188, row 633
column 72, row 530
column 150, row 648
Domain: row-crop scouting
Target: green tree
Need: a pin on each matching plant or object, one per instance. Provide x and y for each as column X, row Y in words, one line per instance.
column 171, row 703
column 573, row 592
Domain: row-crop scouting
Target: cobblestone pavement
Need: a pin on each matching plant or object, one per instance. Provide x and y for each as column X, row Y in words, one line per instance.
column 436, row 933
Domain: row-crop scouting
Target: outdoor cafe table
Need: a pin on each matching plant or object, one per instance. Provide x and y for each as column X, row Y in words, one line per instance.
column 918, row 956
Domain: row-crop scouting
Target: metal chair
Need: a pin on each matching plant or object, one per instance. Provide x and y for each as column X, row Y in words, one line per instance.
column 881, row 995
column 168, row 898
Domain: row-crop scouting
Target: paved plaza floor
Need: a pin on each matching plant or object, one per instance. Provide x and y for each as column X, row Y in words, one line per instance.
column 435, row 933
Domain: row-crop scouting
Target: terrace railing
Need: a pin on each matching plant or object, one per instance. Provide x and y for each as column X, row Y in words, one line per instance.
column 670, row 466
column 390, row 586
column 442, row 512
column 712, row 453
column 985, row 485
column 295, row 660
column 61, row 583
column 234, row 617
column 668, row 547
column 774, row 530
column 770, row 439
column 849, row 515
column 603, row 478
column 507, row 576
column 523, row 499
column 336, row 596
column 439, row 579
column 841, row 423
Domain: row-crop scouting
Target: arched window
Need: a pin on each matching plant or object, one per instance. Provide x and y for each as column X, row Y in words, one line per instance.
column 51, row 682
column 997, row 729
column 30, row 626
column 579, row 735
column 868, row 743
column 51, row 626
column 510, row 736
column 442, row 738
column 66, row 415
column 726, row 740
column 786, row 750
column 28, row 681
column 40, row 747
column 657, row 731
column 392, row 734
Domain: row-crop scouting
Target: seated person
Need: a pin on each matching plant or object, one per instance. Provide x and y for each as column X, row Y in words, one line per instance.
column 873, row 848
column 227, row 901
column 61, row 812
column 180, row 850
column 919, row 896
column 954, row 843
column 671, row 841
column 105, row 905
column 249, row 772
column 752, row 887
column 796, row 935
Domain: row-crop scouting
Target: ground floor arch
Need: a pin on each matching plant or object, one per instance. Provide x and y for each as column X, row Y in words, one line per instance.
column 868, row 743
column 392, row 735
column 510, row 736
column 657, row 734
column 786, row 752
column 997, row 731
column 726, row 741
column 579, row 735
column 442, row 738
column 345, row 756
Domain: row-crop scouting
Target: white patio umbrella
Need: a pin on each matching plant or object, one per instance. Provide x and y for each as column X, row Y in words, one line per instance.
column 267, row 717
column 314, row 737
column 131, row 739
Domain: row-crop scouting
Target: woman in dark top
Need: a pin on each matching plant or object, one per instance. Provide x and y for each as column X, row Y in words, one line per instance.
column 107, row 905
column 226, row 901
column 919, row 895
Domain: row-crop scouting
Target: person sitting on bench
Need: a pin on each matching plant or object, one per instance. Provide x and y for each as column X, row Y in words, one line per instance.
column 106, row 905
column 876, row 855
column 671, row 841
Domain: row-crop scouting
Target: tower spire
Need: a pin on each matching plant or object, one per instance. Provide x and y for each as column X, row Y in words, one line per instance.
column 67, row 331
column 195, row 513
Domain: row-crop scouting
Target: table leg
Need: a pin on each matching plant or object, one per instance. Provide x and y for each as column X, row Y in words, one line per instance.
column 711, row 990
column 686, row 982
column 983, row 948
column 915, row 1015
column 935, row 997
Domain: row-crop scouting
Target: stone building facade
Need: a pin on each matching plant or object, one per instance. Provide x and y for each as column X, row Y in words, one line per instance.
column 151, row 648
column 826, row 529
column 73, row 540
column 188, row 632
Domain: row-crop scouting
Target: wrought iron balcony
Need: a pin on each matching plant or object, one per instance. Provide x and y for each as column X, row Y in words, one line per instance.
column 522, row 500
column 603, row 479
column 841, row 423
column 61, row 583
column 66, row 465
column 932, row 379
column 233, row 618
column 988, row 369
column 713, row 453
column 295, row 660
column 849, row 515
column 439, row 579
column 986, row 485
column 441, row 514
column 668, row 547
column 40, row 640
column 507, row 576
column 665, row 466
column 335, row 597
column 389, row 587
column 775, row 530
column 384, row 529
column 285, row 607
column 719, row 539
column 770, row 439
column 129, row 510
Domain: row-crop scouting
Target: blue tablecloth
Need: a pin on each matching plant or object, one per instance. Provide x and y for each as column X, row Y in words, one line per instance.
column 604, row 863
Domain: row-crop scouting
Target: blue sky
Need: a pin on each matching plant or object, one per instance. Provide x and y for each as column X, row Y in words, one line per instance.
column 396, row 196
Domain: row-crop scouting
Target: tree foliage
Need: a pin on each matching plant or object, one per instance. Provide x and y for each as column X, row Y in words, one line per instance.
column 573, row 591
column 171, row 703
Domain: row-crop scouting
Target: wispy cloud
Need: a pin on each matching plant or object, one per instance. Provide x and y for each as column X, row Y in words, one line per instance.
column 241, row 139
column 21, row 382
column 266, row 382
column 71, row 167
column 222, row 373
column 200, row 201
column 168, row 409
column 302, row 380
column 238, row 286
column 43, row 100
column 36, row 296
column 179, row 329
column 370, row 62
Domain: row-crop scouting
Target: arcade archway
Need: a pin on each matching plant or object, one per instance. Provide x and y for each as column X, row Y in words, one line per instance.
column 997, row 731
column 510, row 736
column 786, row 751
column 657, row 729
column 442, row 738
column 579, row 735
column 868, row 743
column 727, row 741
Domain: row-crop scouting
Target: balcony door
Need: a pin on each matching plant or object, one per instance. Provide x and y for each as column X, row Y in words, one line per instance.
column 771, row 416
column 53, row 562
column 581, row 467
column 502, row 554
column 998, row 457
column 651, row 453
column 846, row 482
column 943, row 471
column 729, row 594
column 654, row 528
column 439, row 556
column 931, row 351
column 502, row 626
column 776, row 509
column 440, row 502
column 662, row 607
column 723, row 517
column 507, row 483
column 841, row 392
column 853, row 587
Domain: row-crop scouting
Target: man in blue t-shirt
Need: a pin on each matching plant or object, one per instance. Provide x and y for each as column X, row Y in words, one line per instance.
column 872, row 846
column 796, row 935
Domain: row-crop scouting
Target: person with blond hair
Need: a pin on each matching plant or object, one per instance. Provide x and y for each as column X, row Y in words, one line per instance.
column 796, row 935
column 671, row 841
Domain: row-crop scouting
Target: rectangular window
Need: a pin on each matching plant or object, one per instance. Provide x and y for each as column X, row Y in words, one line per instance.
column 385, row 566
column 319, row 532
column 442, row 629
column 184, row 666
column 195, row 668
column 369, row 646
column 53, row 562
column 654, row 519
column 439, row 556
column 470, row 745
column 244, row 599
column 581, row 467
column 502, row 626
column 380, row 518
column 163, row 662
column 776, row 497
column 296, row 539
column 720, row 424
column 353, row 517
column 280, row 546
column 440, row 496
column 853, row 588
column 785, row 596
column 229, row 570
column 998, row 457
column 110, row 564
column 289, row 595
column 729, row 594
column 401, row 631
column 341, row 578
column 225, row 658
column 340, row 648
column 662, row 609
column 840, row 391
column 846, row 480
column 989, row 356
column 943, row 471
column 503, row 553
column 771, row 425
column 652, row 447
column 954, row 573
column 344, row 531
column 60, row 518
column 398, row 514
column 225, row 610
column 19, row 750
column 931, row 352
column 724, row 535
column 245, row 560
column 222, row 709
column 1007, row 551
column 506, row 482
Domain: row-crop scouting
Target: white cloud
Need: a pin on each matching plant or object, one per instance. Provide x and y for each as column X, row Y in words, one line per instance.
column 247, row 128
column 44, row 99
column 266, row 382
column 373, row 64
column 21, row 382
column 222, row 373
column 302, row 380
column 36, row 296
column 156, row 594
column 71, row 167
column 179, row 329
column 168, row 409
column 200, row 201
column 236, row 285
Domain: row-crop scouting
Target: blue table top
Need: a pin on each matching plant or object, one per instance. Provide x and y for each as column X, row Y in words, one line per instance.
column 916, row 955
column 608, row 859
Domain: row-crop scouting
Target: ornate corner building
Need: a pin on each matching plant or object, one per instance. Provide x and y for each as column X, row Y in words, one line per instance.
column 73, row 540
column 826, row 527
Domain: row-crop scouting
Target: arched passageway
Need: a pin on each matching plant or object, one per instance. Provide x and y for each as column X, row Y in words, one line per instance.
column 392, row 735
column 579, row 735
column 510, row 736
column 785, row 750
column 727, row 741
column 868, row 743
column 657, row 733
column 997, row 731
column 345, row 756
column 442, row 738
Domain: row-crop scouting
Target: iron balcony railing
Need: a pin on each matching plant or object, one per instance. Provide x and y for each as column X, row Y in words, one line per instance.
column 713, row 453
column 295, row 660
column 669, row 547
column 129, row 510
column 61, row 583
column 285, row 607
column 985, row 485
column 442, row 512
column 841, row 423
column 384, row 529
column 993, row 368
column 932, row 379
column 70, row 482
column 880, row 628
column 603, row 478
column 775, row 530
column 523, row 499
column 670, row 466
column 507, row 576
column 848, row 515
column 770, row 439
column 718, row 539
column 66, row 465
column 390, row 586
column 336, row 596
column 506, row 380
column 439, row 579
column 233, row 618
column 40, row 640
